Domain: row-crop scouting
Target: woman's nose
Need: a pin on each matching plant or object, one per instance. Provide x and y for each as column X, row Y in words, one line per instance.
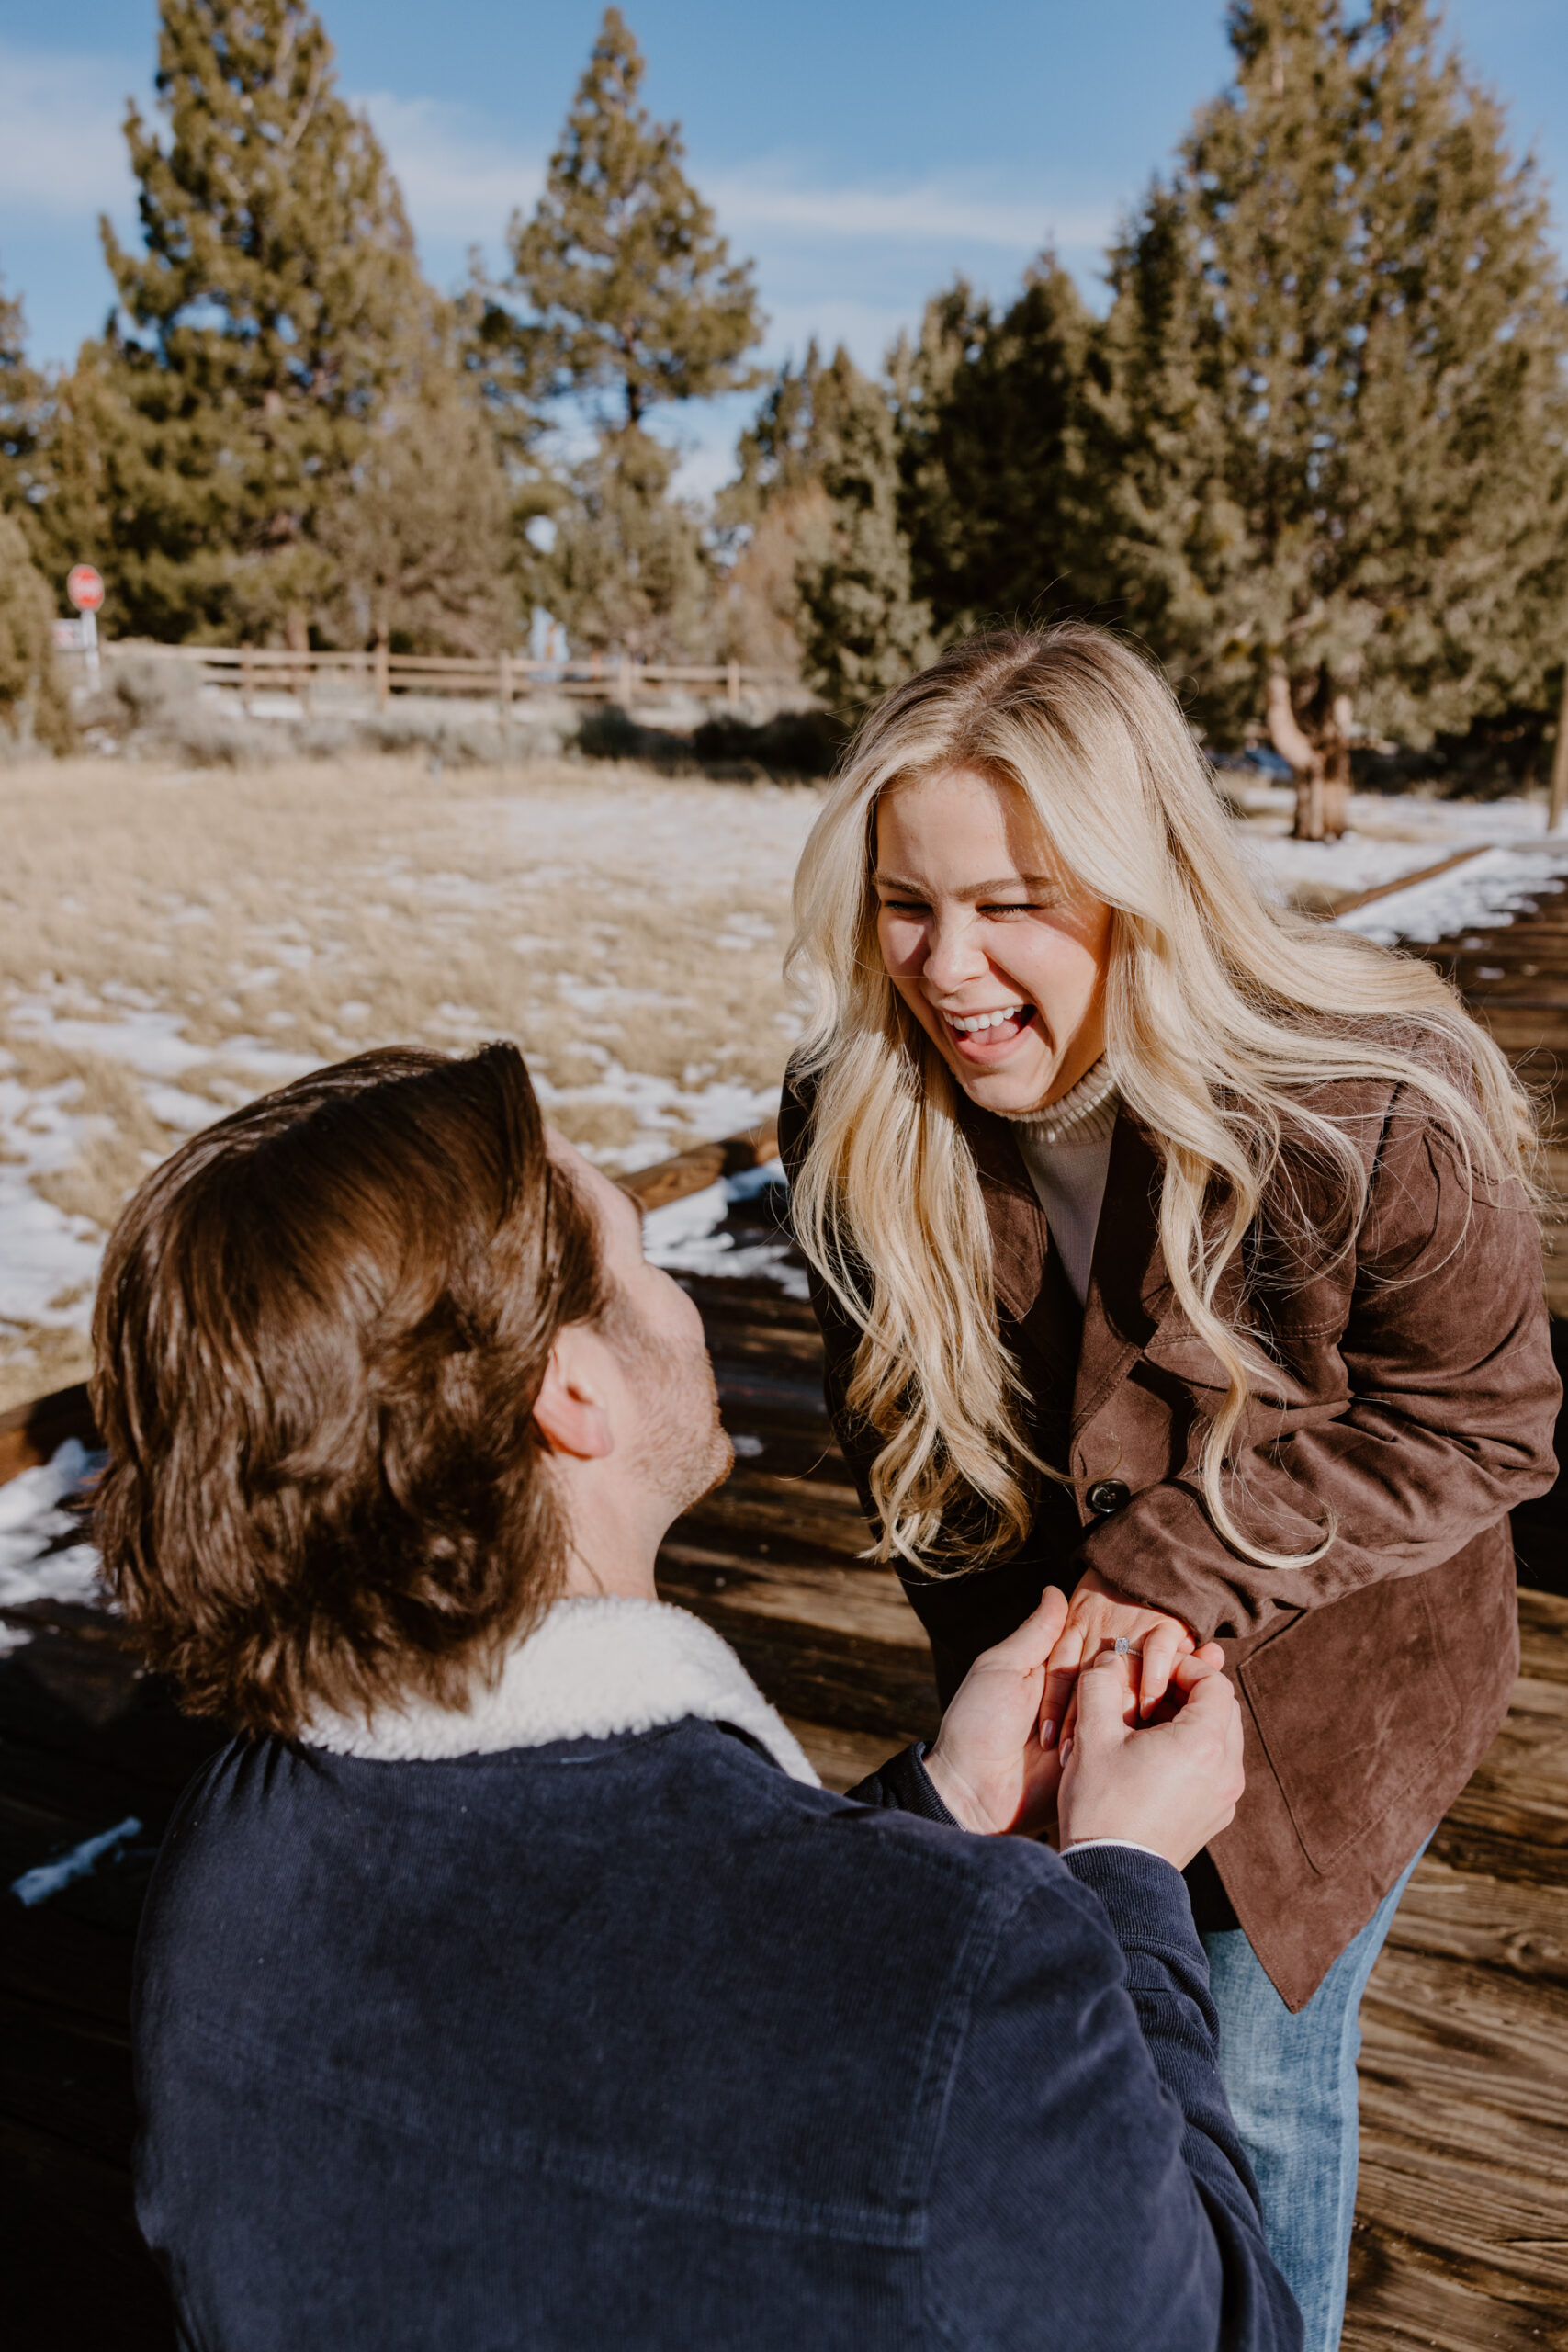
column 954, row 954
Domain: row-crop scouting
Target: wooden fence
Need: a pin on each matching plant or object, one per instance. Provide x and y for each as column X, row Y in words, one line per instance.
column 505, row 678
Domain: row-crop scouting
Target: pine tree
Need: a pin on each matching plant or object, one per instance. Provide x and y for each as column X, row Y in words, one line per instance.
column 34, row 706
column 629, row 288
column 1339, row 491
column 263, row 322
column 992, row 424
column 862, row 628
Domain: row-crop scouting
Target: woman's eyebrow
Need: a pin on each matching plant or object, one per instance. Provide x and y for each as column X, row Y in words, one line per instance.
column 973, row 890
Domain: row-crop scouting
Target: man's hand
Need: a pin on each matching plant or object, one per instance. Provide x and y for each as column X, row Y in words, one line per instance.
column 988, row 1765
column 1098, row 1617
column 1171, row 1786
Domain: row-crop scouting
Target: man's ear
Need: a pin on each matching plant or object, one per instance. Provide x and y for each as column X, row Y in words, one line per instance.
column 569, row 1409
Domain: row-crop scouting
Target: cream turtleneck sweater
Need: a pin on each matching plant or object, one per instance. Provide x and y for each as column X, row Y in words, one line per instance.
column 1066, row 1149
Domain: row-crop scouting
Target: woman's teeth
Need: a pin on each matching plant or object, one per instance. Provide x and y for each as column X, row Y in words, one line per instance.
column 974, row 1023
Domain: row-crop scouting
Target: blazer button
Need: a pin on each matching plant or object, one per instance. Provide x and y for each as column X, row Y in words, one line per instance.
column 1107, row 1495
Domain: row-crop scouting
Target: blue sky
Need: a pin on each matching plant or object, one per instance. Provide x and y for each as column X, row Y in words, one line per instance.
column 862, row 152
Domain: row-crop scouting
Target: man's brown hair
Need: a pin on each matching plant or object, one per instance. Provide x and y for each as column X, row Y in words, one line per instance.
column 320, row 1333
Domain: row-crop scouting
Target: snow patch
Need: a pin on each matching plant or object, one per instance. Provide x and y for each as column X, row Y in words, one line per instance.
column 1485, row 892
column 49, row 1261
column 687, row 1237
column 43, row 1556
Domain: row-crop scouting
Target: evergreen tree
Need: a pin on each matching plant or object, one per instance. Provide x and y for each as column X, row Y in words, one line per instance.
column 22, row 396
column 34, row 706
column 992, row 419
column 626, row 568
column 629, row 288
column 420, row 542
column 621, row 297
column 776, row 518
column 862, row 628
column 264, row 320
column 1339, row 490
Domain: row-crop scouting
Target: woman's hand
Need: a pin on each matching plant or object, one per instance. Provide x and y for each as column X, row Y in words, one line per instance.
column 1098, row 1617
column 987, row 1764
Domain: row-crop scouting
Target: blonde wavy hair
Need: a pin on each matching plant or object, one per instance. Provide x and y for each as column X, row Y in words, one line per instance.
column 1222, row 1010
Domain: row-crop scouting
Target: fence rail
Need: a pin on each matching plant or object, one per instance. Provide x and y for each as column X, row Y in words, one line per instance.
column 504, row 677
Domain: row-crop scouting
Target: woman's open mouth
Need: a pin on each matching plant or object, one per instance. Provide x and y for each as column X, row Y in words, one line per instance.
column 985, row 1036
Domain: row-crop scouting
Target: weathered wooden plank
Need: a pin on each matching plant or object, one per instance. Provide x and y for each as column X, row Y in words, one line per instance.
column 865, row 1604
column 1404, row 2294
column 843, row 1759
column 1493, row 1923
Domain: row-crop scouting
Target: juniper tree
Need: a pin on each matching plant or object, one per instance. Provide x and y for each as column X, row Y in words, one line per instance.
column 992, row 426
column 626, row 568
column 420, row 539
column 258, row 330
column 34, row 706
column 22, row 394
column 1339, row 489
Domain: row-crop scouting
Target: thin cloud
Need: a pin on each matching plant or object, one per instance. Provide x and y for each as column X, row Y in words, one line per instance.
column 461, row 181
column 925, row 212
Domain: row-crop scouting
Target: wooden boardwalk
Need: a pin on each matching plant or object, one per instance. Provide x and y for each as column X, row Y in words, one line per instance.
column 1463, row 2222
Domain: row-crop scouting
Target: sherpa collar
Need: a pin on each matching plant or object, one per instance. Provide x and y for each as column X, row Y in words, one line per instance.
column 590, row 1668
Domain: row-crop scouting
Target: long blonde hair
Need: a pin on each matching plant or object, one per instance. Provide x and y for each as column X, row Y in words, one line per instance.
column 1222, row 1010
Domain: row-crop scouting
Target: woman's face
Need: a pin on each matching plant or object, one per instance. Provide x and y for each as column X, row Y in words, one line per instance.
column 1001, row 961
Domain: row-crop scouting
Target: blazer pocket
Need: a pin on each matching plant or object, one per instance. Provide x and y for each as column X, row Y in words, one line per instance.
column 1351, row 1705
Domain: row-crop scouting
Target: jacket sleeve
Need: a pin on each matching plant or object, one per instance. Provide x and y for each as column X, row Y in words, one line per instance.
column 1429, row 1415
column 1088, row 2166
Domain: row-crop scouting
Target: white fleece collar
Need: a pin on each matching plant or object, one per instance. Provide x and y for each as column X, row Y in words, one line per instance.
column 590, row 1668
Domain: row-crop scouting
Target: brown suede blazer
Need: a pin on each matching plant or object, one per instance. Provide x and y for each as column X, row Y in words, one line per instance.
column 1415, row 1399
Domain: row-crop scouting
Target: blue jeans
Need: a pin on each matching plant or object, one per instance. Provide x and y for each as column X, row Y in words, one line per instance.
column 1291, row 2085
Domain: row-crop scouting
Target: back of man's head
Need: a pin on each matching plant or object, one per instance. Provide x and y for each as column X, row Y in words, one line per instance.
column 320, row 1333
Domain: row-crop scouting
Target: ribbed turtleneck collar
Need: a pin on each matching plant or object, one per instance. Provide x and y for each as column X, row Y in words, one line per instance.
column 1086, row 1112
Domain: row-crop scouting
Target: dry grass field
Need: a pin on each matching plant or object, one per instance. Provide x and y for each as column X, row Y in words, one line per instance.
column 173, row 941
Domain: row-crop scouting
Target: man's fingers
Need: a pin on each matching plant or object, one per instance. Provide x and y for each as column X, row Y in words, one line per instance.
column 1105, row 1696
column 1030, row 1644
column 1202, row 1667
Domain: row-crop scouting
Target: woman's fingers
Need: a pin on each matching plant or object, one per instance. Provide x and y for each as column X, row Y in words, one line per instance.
column 1162, row 1646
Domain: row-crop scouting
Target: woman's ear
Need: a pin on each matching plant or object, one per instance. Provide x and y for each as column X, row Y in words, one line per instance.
column 571, row 1408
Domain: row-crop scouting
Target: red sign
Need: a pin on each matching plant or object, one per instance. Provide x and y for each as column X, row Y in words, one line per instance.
column 85, row 587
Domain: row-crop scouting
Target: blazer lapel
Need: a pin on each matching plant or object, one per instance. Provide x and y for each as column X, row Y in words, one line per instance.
column 1129, row 1290
column 1042, row 1318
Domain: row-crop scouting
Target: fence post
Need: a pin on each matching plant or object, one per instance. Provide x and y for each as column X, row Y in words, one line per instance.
column 623, row 679
column 383, row 670
column 247, row 673
column 732, row 683
column 505, row 688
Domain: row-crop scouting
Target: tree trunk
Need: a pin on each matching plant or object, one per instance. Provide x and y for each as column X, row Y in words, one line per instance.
column 1322, row 769
column 1337, row 769
column 1306, row 761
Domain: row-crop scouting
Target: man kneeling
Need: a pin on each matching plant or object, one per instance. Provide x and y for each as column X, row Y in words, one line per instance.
column 510, row 1980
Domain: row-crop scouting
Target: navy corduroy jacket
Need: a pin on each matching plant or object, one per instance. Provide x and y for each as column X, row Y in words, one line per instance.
column 635, row 2043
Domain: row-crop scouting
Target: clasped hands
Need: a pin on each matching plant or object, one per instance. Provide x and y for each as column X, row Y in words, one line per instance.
column 1144, row 1745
